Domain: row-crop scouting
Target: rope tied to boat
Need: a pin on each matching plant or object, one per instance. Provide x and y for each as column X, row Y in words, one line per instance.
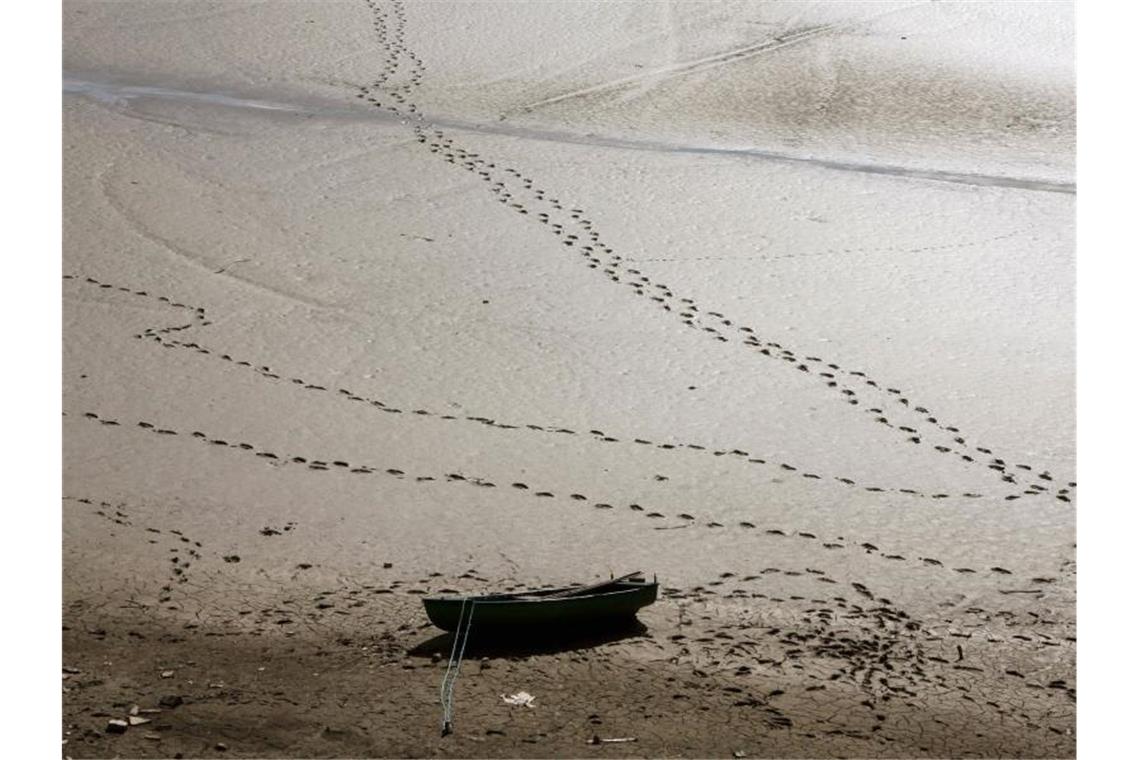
column 447, row 688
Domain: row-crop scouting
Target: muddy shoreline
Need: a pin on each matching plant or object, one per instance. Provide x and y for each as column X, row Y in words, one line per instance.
column 791, row 332
column 343, row 691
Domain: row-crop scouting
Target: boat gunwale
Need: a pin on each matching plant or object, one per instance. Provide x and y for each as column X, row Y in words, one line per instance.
column 522, row 597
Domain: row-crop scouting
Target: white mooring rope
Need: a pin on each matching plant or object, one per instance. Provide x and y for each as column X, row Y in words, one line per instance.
column 447, row 688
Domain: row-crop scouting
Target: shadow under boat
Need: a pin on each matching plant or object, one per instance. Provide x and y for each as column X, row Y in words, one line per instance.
column 535, row 640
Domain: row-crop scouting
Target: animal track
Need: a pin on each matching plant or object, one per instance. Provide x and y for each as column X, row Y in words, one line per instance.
column 575, row 230
column 182, row 551
column 265, row 371
column 875, row 647
column 686, row 518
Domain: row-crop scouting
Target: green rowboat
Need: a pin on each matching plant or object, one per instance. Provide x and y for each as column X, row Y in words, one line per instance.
column 610, row 601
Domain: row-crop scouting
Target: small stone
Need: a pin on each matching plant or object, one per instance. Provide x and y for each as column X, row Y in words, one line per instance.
column 135, row 720
column 170, row 700
column 134, row 710
column 221, row 746
column 738, row 753
column 116, row 726
column 168, row 674
column 153, row 737
column 436, row 656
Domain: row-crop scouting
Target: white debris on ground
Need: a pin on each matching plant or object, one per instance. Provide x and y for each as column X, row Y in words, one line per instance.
column 521, row 698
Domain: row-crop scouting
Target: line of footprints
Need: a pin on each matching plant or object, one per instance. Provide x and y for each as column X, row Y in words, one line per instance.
column 326, row 465
column 878, row 647
column 183, row 551
column 686, row 518
column 577, row 232
column 316, row 464
column 883, row 609
column 117, row 514
column 161, row 337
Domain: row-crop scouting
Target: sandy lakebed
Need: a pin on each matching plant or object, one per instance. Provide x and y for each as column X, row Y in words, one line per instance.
column 370, row 300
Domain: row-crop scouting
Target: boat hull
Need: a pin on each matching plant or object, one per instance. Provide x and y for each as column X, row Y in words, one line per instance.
column 543, row 610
